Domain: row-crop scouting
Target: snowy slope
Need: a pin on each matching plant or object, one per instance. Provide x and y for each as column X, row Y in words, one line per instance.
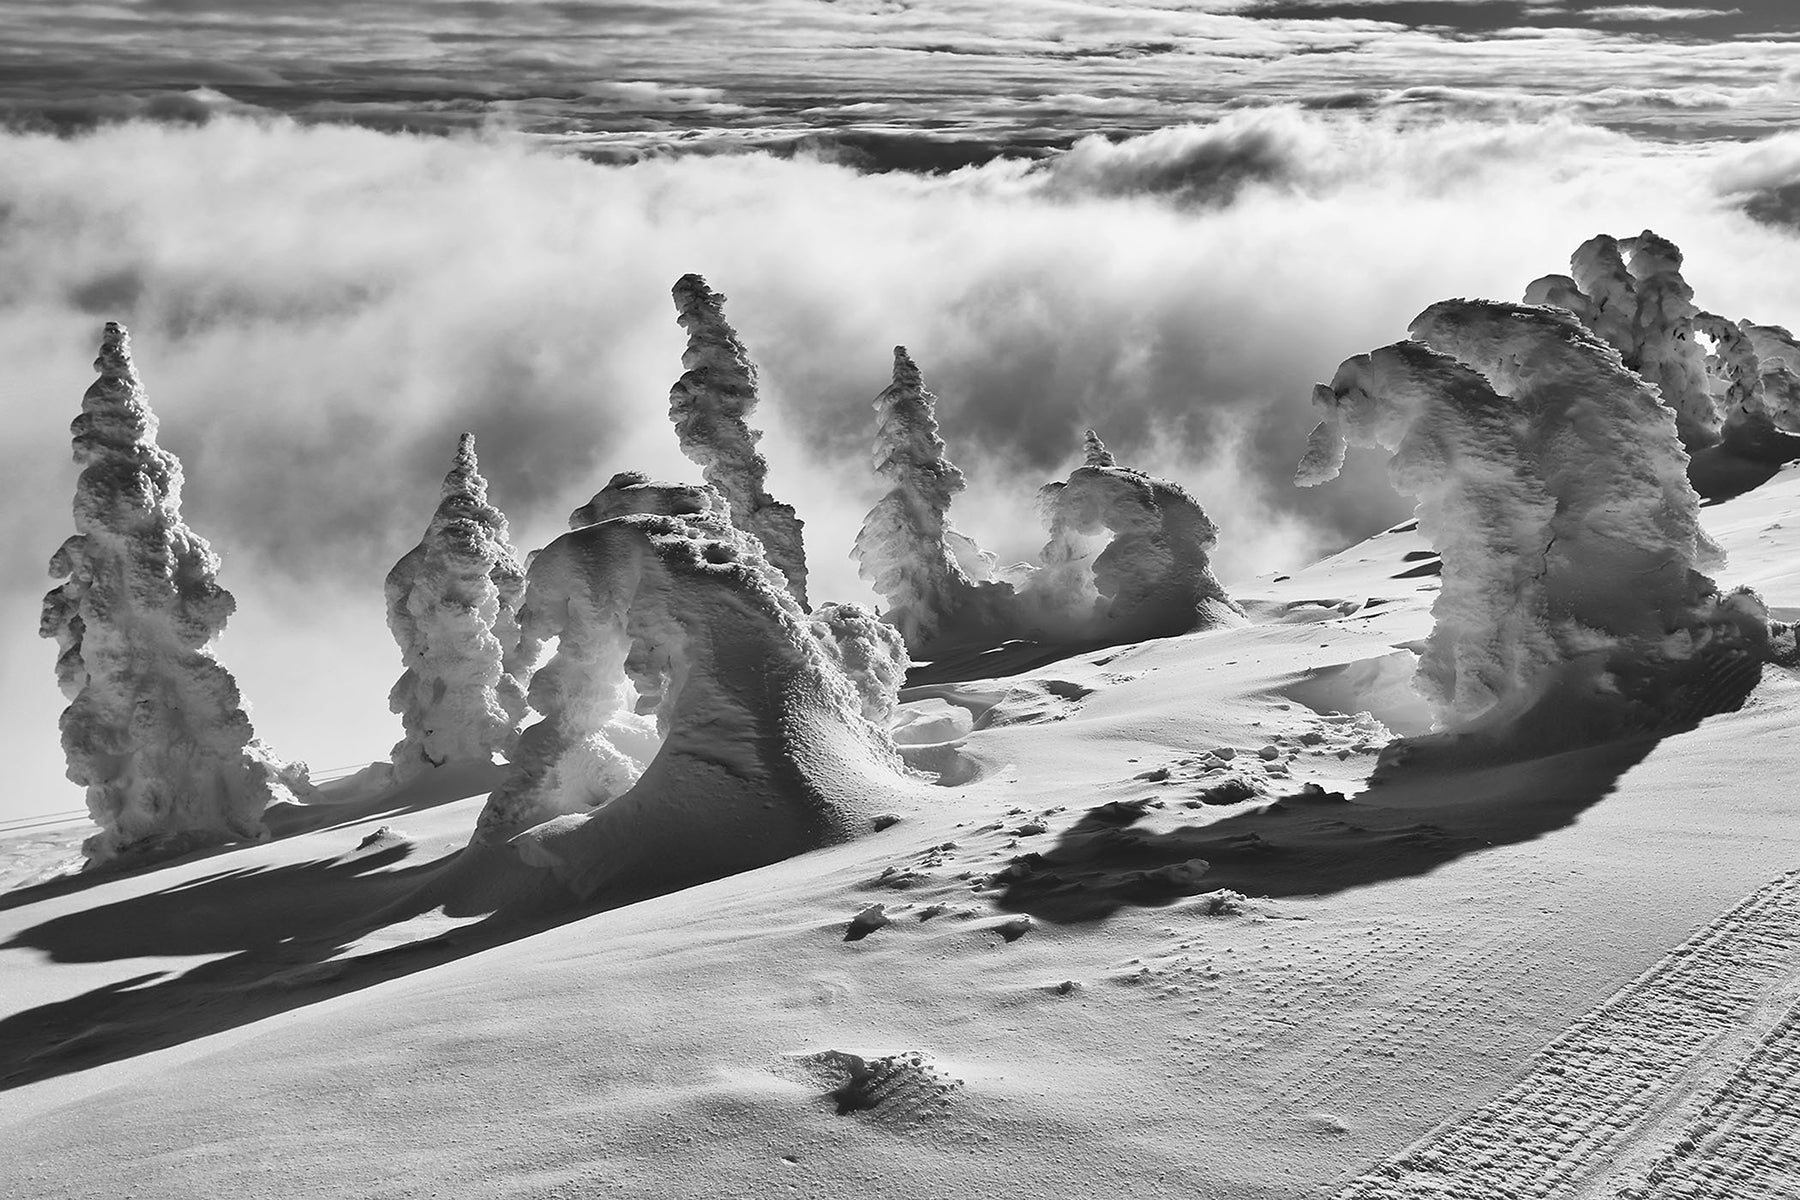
column 1430, row 989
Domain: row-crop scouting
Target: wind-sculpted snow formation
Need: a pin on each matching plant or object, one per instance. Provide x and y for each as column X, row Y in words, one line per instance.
column 155, row 729
column 1127, row 559
column 696, row 721
column 453, row 604
column 709, row 405
column 1153, row 578
column 906, row 547
column 1643, row 307
column 1554, row 485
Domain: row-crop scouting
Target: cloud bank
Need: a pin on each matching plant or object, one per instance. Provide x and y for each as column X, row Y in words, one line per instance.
column 318, row 311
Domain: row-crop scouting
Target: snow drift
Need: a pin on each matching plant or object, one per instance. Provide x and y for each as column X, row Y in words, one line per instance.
column 155, row 729
column 695, row 721
column 452, row 604
column 1554, row 484
column 709, row 404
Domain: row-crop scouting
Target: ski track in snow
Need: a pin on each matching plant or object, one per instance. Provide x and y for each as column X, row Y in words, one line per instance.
column 1683, row 1084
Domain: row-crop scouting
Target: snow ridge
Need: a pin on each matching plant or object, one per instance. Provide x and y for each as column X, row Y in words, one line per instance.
column 155, row 729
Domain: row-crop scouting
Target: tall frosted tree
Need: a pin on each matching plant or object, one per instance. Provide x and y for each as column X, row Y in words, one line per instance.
column 903, row 548
column 710, row 405
column 453, row 605
column 155, row 729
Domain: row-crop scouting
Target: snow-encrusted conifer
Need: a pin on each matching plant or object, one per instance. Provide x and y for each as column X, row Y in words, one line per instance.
column 453, row 604
column 903, row 548
column 1552, row 481
column 155, row 729
column 709, row 405
column 1153, row 578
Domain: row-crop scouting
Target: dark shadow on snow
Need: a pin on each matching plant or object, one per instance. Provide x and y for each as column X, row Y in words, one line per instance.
column 1431, row 801
column 283, row 821
column 1748, row 458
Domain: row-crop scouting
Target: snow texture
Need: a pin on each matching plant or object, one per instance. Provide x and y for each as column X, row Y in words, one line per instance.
column 453, row 605
column 1153, row 578
column 709, row 405
column 1554, row 485
column 155, row 729
column 906, row 548
column 695, row 719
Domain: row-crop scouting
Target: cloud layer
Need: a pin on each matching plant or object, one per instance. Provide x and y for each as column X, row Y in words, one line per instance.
column 319, row 311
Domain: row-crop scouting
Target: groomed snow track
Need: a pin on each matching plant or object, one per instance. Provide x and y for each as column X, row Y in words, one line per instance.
column 1684, row 1084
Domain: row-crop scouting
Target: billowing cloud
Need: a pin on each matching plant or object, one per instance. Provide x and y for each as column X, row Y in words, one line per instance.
column 319, row 311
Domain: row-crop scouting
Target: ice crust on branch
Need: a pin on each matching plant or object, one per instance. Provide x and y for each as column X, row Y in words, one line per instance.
column 155, row 729
column 1554, row 485
column 453, row 605
column 1632, row 294
column 710, row 405
column 695, row 719
column 906, row 547
column 1152, row 578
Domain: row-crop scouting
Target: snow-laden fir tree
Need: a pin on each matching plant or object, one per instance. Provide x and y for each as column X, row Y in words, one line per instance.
column 1552, row 481
column 453, row 605
column 155, row 729
column 904, row 547
column 709, row 405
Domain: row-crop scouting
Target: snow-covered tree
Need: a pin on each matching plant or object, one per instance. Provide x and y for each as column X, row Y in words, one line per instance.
column 1553, row 483
column 1645, row 310
column 155, row 729
column 695, row 720
column 905, row 548
column 710, row 404
column 1778, row 355
column 1153, row 578
column 452, row 604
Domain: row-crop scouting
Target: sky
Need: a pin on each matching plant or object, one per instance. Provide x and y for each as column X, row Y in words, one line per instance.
column 343, row 234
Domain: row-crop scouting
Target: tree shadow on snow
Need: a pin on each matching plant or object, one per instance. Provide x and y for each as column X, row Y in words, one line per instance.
column 1431, row 801
column 283, row 821
column 291, row 937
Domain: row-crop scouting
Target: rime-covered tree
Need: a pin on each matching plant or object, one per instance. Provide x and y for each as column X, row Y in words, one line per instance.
column 1153, row 577
column 155, row 729
column 1553, row 483
column 452, row 604
column 710, row 405
column 695, row 720
column 904, row 547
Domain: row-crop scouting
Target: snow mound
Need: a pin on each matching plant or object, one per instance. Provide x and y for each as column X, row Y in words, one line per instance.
column 1554, row 485
column 696, row 721
column 1152, row 578
column 709, row 405
column 453, row 604
column 155, row 729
